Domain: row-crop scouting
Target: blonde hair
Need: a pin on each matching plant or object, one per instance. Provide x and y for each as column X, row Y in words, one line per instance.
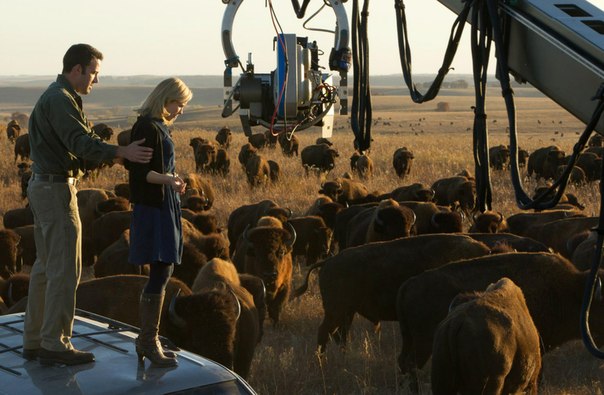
column 167, row 91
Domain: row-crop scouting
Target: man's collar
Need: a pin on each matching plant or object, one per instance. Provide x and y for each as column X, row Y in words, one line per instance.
column 64, row 82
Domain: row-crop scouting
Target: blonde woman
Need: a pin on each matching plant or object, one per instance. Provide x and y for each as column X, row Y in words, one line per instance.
column 155, row 230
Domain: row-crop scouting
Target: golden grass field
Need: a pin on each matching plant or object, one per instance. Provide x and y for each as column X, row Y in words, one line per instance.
column 285, row 361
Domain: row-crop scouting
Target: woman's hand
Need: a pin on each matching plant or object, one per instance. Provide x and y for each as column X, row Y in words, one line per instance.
column 178, row 184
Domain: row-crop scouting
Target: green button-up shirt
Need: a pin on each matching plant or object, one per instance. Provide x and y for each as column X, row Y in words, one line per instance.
column 59, row 135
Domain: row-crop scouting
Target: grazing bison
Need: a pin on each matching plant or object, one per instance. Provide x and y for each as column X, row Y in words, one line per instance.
column 258, row 140
column 224, row 137
column 552, row 286
column 402, row 159
column 386, row 221
column 268, row 256
column 22, row 148
column 489, row 222
column 257, row 170
column 243, row 334
column 274, row 171
column 102, row 130
column 365, row 279
column 13, row 129
column 545, row 161
column 577, row 175
column 499, row 157
column 521, row 223
column 488, row 344
column 313, row 239
column 319, row 157
column 352, row 190
column 248, row 216
column 456, row 192
column 415, row 192
column 289, row 144
column 245, row 152
column 364, row 167
column 205, row 157
column 591, row 164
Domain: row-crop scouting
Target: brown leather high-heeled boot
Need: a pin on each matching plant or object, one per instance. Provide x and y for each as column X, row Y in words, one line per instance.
column 147, row 343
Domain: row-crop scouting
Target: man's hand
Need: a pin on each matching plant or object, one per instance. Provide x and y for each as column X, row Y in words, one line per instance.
column 134, row 152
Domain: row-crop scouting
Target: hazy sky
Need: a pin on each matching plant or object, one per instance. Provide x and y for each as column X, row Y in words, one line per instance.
column 183, row 37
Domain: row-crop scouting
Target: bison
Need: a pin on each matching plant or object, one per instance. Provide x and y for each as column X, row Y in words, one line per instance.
column 245, row 152
column 102, row 130
column 319, row 157
column 22, row 148
column 456, row 192
column 258, row 140
column 269, row 256
column 552, row 286
column 431, row 218
column 289, row 144
column 9, row 248
column 196, row 185
column 414, row 192
column 499, row 157
column 489, row 222
column 13, row 129
column 545, row 161
column 364, row 167
column 487, row 344
column 402, row 160
column 313, row 239
column 257, row 170
column 224, row 137
column 509, row 241
column 365, row 279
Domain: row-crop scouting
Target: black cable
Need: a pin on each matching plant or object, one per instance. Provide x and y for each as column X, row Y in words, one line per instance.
column 300, row 11
column 405, row 51
column 481, row 48
column 361, row 111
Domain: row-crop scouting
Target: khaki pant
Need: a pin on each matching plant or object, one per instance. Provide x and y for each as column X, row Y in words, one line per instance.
column 56, row 272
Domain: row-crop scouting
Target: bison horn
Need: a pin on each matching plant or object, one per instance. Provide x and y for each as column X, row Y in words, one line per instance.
column 245, row 233
column 177, row 320
column 433, row 221
column 290, row 242
column 379, row 223
column 289, row 212
column 238, row 303
column 500, row 217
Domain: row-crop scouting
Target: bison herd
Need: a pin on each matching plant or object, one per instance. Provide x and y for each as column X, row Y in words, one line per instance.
column 483, row 294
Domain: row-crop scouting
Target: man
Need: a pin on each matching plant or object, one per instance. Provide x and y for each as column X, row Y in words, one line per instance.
column 60, row 139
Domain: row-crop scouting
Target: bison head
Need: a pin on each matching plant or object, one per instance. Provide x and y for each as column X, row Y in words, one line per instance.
column 331, row 189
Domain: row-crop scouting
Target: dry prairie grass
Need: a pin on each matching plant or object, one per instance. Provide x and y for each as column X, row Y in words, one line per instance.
column 285, row 361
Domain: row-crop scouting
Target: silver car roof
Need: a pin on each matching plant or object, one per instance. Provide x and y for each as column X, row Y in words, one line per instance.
column 116, row 370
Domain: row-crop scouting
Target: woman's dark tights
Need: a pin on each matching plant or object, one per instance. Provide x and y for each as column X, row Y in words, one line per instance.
column 159, row 274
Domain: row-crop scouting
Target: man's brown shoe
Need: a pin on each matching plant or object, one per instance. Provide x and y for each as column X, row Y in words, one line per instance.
column 31, row 354
column 68, row 357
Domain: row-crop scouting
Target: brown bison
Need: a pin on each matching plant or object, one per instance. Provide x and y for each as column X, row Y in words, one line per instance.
column 365, row 279
column 271, row 139
column 323, row 140
column 22, row 148
column 258, row 140
column 353, row 160
column 269, row 256
column 289, row 144
column 414, row 192
column 113, row 260
column 13, row 129
column 242, row 335
column 196, row 185
column 364, row 167
column 552, row 286
column 313, row 239
column 386, row 221
column 274, row 171
column 487, row 344
column 545, row 161
column 224, row 137
column 248, row 215
column 102, row 130
column 456, row 192
column 257, row 170
column 26, row 251
column 124, row 137
column 9, row 248
column 402, row 160
column 431, row 218
column 319, row 157
column 521, row 223
column 18, row 217
column 499, row 157
column 245, row 152
column 196, row 322
column 205, row 157
column 489, row 222
column 556, row 234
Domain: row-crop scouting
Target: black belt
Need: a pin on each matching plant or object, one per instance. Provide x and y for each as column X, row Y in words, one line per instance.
column 54, row 178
